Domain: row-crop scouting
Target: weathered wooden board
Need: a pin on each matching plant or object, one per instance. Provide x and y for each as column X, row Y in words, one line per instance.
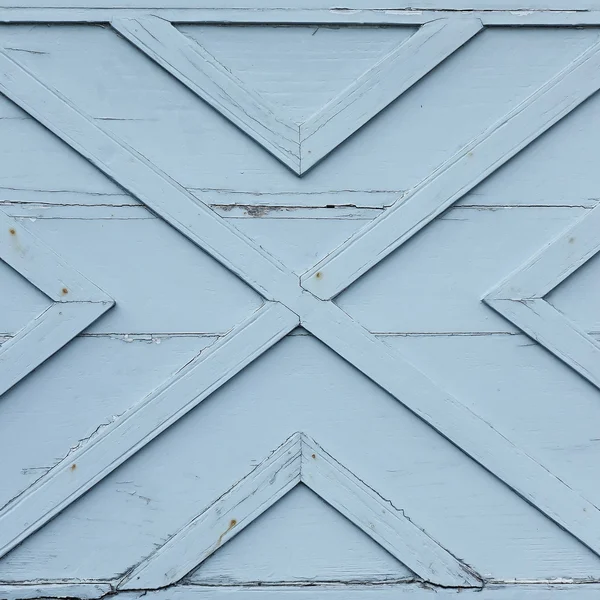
column 226, row 183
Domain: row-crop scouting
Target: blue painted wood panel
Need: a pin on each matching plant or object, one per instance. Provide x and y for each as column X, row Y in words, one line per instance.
column 300, row 304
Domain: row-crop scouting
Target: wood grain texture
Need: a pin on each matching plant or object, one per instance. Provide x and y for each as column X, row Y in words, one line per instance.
column 299, row 459
column 77, row 302
column 451, row 181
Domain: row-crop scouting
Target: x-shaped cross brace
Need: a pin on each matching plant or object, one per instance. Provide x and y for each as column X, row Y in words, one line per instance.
column 290, row 303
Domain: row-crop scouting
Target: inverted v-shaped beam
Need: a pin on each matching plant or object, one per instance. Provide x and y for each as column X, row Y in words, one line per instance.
column 77, row 302
column 520, row 298
column 300, row 459
column 474, row 436
column 298, row 146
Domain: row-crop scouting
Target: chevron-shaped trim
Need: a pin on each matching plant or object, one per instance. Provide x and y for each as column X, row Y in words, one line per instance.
column 299, row 147
column 520, row 297
column 77, row 302
column 300, row 459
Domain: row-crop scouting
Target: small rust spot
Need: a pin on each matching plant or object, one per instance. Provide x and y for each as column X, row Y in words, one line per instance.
column 64, row 291
column 73, row 466
column 12, row 231
column 319, row 275
column 232, row 524
column 314, row 455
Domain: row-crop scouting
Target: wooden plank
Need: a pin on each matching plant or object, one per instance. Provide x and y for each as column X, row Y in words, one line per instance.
column 101, row 454
column 147, row 265
column 469, row 432
column 221, row 521
column 213, row 82
column 420, row 289
column 542, row 590
column 33, row 591
column 473, row 163
column 381, row 85
column 376, row 592
column 380, row 520
column 350, row 7
column 138, row 176
column 362, row 15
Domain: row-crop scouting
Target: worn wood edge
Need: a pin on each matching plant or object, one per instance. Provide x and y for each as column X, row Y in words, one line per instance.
column 114, row 442
column 360, row 15
column 538, row 590
column 381, row 520
column 226, row 517
column 382, row 84
column 202, row 73
column 466, row 430
column 507, row 137
column 142, row 179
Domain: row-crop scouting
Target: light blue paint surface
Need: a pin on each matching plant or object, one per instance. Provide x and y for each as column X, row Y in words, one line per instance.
column 297, row 226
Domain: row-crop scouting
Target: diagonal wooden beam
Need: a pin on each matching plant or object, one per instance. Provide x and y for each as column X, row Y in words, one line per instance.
column 299, row 459
column 520, row 297
column 453, row 179
column 383, row 83
column 77, row 302
column 380, row 520
column 200, row 71
column 117, row 441
column 298, row 147
column 139, row 177
column 470, row 433
column 221, row 521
